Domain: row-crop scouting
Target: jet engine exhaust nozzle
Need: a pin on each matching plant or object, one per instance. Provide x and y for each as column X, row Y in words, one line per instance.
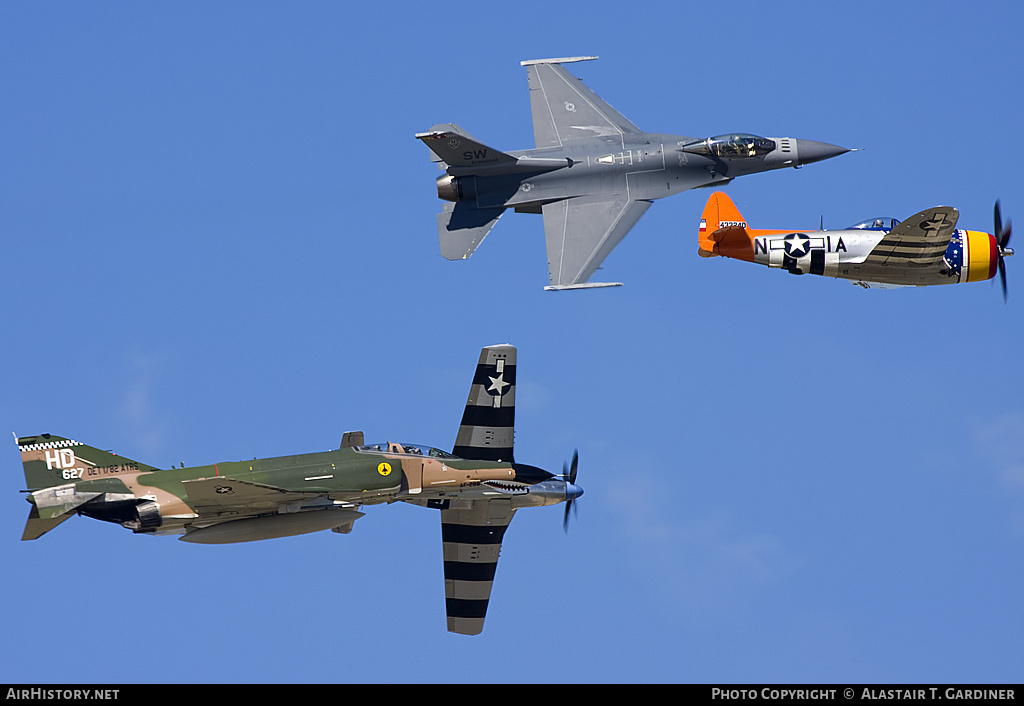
column 448, row 188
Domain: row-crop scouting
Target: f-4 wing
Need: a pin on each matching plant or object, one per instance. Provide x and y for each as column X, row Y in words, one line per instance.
column 919, row 241
column 471, row 542
column 564, row 109
column 225, row 497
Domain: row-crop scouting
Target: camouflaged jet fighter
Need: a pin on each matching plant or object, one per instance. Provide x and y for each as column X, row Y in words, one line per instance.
column 477, row 487
column 879, row 253
column 592, row 175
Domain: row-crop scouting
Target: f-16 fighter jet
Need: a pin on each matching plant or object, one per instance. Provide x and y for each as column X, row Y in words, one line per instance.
column 591, row 175
column 882, row 253
column 477, row 487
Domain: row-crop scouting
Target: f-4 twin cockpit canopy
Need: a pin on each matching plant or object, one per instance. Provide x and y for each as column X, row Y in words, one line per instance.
column 734, row 146
column 390, row 447
column 875, row 224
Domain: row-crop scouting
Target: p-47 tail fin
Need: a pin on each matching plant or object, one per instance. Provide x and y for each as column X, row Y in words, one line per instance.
column 62, row 475
column 488, row 424
column 720, row 217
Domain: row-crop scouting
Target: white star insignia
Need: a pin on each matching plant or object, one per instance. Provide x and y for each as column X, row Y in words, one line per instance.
column 498, row 384
column 798, row 244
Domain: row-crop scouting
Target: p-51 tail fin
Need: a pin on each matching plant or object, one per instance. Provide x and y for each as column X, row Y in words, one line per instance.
column 488, row 424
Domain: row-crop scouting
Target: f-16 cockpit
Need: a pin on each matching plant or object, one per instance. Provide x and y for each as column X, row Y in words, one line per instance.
column 875, row 224
column 390, row 447
column 735, row 146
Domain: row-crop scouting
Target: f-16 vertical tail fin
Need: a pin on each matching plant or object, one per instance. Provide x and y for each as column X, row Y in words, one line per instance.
column 719, row 213
column 488, row 424
column 452, row 146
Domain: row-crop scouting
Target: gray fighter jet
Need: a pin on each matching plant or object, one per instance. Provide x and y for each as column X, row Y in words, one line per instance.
column 592, row 174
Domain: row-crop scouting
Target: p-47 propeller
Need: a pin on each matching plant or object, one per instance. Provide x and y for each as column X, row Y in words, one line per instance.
column 1002, row 236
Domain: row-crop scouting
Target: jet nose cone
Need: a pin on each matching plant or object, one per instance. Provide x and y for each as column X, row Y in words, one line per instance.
column 809, row 151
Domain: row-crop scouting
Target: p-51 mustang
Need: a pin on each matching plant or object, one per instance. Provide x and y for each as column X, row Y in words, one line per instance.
column 925, row 249
column 592, row 175
column 478, row 488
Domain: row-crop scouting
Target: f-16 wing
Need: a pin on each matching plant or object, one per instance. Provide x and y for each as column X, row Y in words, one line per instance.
column 580, row 233
column 919, row 241
column 471, row 541
column 564, row 109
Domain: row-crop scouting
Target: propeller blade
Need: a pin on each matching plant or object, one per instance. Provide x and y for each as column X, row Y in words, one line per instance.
column 569, row 505
column 1002, row 236
column 569, row 476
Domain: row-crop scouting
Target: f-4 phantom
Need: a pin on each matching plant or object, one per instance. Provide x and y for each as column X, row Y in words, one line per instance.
column 478, row 487
column 926, row 249
column 591, row 175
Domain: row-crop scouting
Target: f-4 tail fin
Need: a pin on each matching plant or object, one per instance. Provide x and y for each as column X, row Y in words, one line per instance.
column 488, row 424
column 54, row 467
column 49, row 460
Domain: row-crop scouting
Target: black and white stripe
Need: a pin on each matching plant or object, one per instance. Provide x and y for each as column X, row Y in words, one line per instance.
column 488, row 423
column 471, row 542
column 57, row 443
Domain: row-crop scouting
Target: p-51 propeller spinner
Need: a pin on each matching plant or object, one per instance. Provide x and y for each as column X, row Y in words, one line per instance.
column 924, row 250
column 478, row 487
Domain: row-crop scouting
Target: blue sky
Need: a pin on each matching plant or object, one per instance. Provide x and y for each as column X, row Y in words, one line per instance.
column 220, row 243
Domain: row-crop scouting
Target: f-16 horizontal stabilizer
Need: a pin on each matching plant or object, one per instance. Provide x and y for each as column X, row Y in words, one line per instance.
column 461, row 229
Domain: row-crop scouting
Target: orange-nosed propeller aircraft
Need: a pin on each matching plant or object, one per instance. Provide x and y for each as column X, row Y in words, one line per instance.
column 926, row 249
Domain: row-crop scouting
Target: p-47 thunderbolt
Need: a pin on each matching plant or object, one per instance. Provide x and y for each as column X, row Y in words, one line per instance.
column 925, row 249
column 477, row 487
column 592, row 174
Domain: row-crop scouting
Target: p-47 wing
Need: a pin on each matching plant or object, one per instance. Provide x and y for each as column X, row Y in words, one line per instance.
column 919, row 241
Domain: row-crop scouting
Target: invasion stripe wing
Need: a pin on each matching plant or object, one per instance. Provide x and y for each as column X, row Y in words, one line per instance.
column 919, row 241
column 471, row 543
